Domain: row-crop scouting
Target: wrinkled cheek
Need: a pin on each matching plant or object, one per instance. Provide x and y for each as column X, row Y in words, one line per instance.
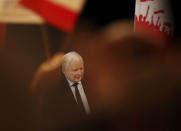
column 73, row 76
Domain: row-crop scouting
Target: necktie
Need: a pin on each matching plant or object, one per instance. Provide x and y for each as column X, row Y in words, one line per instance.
column 77, row 94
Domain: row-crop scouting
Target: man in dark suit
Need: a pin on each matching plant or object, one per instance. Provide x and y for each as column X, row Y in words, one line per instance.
column 65, row 102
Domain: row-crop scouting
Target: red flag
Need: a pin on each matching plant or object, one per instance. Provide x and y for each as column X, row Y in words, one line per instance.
column 61, row 13
column 154, row 17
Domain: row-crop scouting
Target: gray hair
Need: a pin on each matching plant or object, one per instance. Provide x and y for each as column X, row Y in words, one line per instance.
column 70, row 56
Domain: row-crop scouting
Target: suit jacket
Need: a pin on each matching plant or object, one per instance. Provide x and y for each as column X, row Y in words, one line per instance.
column 57, row 108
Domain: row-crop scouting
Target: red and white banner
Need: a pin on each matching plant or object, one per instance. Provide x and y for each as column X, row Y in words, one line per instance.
column 61, row 13
column 154, row 17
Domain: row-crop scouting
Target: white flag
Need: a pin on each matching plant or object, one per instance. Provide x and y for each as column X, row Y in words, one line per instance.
column 12, row 12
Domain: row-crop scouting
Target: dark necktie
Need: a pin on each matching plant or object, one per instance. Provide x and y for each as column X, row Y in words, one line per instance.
column 77, row 94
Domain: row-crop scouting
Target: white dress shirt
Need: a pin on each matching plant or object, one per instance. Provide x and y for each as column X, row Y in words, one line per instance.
column 82, row 95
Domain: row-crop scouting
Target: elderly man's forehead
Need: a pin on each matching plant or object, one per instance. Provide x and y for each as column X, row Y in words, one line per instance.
column 74, row 62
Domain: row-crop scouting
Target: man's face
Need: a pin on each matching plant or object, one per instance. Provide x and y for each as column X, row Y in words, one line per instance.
column 74, row 70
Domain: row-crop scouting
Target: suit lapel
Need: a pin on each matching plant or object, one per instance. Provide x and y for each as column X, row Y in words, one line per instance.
column 66, row 90
column 69, row 97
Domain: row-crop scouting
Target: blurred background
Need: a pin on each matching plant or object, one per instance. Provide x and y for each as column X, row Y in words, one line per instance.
column 25, row 47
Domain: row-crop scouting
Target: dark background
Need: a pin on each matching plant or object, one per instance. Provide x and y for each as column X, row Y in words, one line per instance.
column 104, row 12
column 175, row 6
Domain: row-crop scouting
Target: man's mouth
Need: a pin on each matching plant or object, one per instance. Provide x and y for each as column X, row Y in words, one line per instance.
column 77, row 77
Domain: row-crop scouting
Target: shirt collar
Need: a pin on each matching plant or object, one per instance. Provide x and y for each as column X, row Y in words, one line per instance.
column 71, row 83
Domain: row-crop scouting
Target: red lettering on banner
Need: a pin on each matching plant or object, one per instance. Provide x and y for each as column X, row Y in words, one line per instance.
column 152, row 18
column 159, row 11
column 145, row 0
column 141, row 20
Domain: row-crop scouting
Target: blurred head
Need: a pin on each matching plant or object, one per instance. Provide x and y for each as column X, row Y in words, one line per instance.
column 117, row 66
column 73, row 66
